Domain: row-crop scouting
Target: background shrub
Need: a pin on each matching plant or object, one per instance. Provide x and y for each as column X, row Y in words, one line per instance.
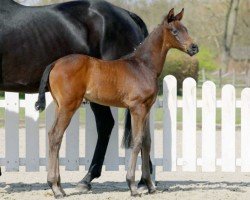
column 181, row 66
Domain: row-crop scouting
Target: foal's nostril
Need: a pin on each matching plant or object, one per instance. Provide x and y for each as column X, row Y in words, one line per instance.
column 194, row 48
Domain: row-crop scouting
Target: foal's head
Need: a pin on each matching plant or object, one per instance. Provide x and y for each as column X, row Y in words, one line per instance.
column 177, row 33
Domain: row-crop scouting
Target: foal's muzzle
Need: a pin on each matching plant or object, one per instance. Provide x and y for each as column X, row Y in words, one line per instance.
column 193, row 49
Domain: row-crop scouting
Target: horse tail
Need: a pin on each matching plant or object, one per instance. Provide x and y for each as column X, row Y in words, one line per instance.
column 140, row 23
column 127, row 137
column 41, row 102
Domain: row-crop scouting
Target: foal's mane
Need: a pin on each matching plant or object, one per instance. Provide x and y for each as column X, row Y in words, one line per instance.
column 155, row 33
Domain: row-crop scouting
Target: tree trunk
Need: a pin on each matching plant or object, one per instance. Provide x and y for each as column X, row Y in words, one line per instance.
column 231, row 20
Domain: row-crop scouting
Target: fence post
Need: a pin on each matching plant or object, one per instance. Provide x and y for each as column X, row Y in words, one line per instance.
column 228, row 129
column 90, row 136
column 32, row 133
column 49, row 120
column 112, row 155
column 169, row 123
column 245, row 130
column 72, row 143
column 208, row 126
column 12, row 131
column 189, row 125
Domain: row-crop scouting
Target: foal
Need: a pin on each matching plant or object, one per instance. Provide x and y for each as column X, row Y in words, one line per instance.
column 130, row 82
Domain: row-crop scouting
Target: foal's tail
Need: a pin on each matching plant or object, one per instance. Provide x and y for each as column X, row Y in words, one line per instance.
column 127, row 138
column 41, row 102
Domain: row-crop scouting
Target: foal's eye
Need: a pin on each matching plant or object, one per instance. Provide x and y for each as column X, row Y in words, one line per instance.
column 175, row 32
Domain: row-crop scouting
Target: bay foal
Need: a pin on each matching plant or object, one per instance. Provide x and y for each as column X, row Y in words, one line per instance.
column 130, row 82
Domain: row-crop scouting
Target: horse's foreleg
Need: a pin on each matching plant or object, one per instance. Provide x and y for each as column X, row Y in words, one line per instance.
column 55, row 139
column 138, row 121
column 105, row 124
column 146, row 145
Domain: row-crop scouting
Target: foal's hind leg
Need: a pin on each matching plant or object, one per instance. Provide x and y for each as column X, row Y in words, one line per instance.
column 62, row 121
column 138, row 120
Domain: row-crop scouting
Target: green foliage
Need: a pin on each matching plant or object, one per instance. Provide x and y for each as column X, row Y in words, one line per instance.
column 207, row 59
column 181, row 66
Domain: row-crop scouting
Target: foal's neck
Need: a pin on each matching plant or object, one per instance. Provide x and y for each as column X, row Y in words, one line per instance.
column 152, row 52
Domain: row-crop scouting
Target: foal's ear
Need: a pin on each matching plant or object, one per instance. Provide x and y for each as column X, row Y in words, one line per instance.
column 179, row 16
column 170, row 17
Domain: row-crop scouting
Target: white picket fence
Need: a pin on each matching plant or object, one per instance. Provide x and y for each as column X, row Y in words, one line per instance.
column 184, row 158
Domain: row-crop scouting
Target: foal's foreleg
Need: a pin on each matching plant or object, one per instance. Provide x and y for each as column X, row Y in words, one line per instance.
column 138, row 118
column 146, row 146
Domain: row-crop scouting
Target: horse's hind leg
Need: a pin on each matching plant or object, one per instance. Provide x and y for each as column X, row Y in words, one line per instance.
column 146, row 145
column 64, row 115
column 105, row 124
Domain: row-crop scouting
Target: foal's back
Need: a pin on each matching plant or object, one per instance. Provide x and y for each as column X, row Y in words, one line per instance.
column 112, row 83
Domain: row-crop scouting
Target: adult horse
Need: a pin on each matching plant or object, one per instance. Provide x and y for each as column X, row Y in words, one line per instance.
column 33, row 37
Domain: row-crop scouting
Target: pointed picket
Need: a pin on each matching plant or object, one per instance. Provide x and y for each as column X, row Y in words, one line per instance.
column 169, row 123
column 228, row 129
column 208, row 126
column 189, row 125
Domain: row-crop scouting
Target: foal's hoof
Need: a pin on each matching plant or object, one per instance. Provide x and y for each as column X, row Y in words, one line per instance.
column 142, row 185
column 60, row 196
column 135, row 194
column 152, row 190
column 83, row 187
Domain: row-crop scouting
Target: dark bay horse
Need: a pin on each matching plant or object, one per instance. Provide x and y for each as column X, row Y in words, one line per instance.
column 129, row 82
column 33, row 37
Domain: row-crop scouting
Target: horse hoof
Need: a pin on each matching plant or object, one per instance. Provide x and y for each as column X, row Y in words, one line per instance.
column 83, row 187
